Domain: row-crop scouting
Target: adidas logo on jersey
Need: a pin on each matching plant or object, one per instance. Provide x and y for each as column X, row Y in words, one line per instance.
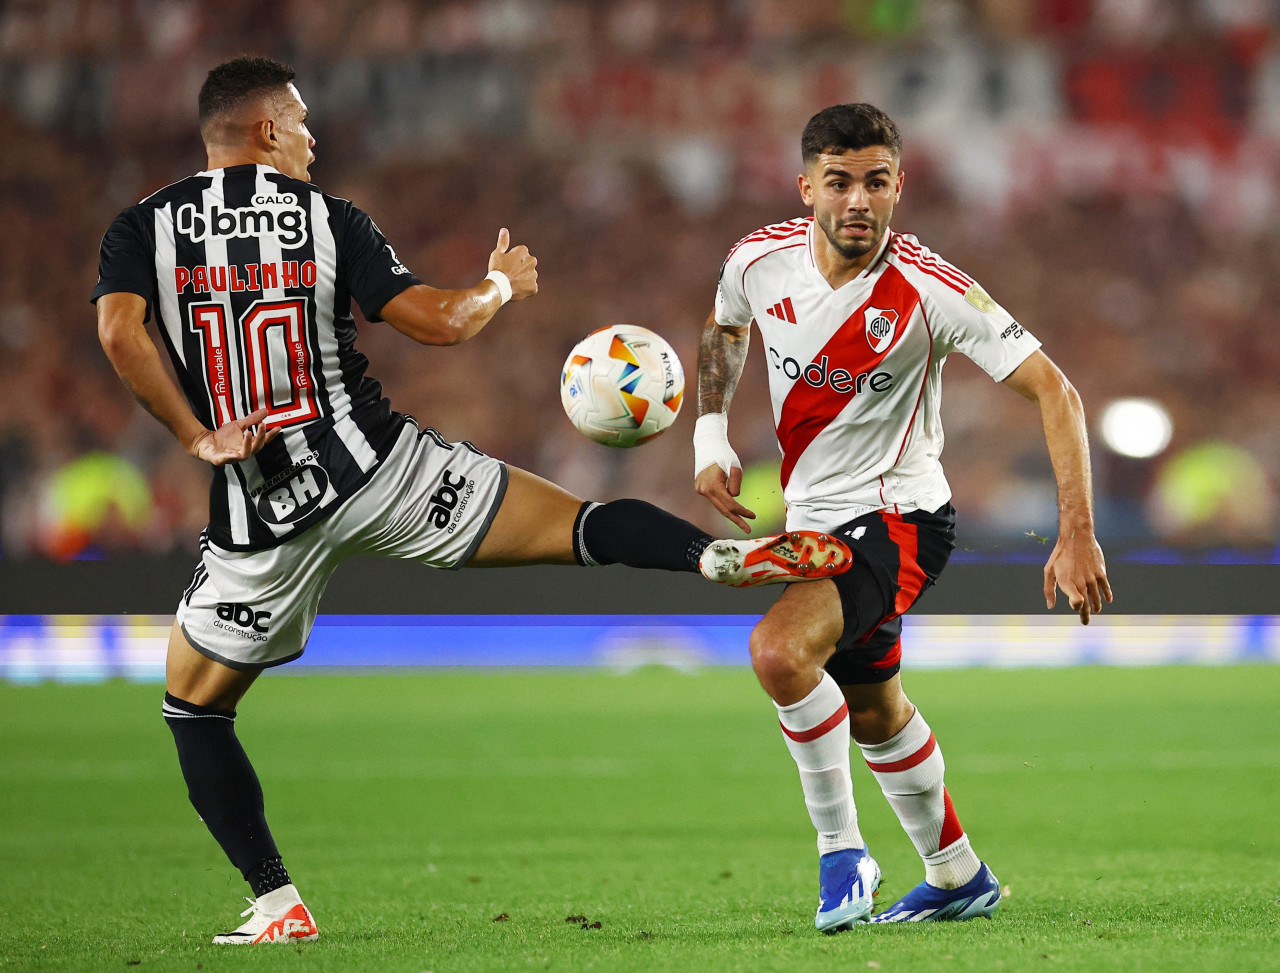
column 783, row 311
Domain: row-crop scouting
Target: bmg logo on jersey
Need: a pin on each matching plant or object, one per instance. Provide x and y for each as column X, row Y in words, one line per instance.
column 279, row 216
column 450, row 500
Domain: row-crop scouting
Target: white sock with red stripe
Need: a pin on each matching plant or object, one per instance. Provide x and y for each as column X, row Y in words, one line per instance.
column 909, row 769
column 817, row 733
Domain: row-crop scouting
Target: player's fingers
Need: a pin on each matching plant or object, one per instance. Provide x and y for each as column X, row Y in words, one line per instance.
column 1095, row 597
column 1078, row 601
column 1050, row 590
column 252, row 419
column 735, row 480
column 1105, row 587
column 504, row 240
column 262, row 437
column 1083, row 606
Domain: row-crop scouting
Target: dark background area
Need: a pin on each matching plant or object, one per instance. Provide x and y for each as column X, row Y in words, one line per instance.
column 374, row 586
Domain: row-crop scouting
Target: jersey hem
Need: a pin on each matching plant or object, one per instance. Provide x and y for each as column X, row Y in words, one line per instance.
column 326, row 512
column 499, row 495
column 408, row 280
column 1014, row 367
column 232, row 663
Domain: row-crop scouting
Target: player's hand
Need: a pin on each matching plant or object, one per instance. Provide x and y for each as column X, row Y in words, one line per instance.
column 238, row 439
column 722, row 490
column 520, row 266
column 1077, row 567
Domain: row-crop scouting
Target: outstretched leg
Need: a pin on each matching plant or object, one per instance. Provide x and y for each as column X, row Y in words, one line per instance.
column 199, row 706
column 541, row 523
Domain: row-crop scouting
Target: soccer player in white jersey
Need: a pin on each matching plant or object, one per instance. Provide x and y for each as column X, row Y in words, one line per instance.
column 856, row 322
column 250, row 272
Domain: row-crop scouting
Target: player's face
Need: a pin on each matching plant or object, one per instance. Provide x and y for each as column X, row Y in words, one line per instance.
column 853, row 194
column 293, row 139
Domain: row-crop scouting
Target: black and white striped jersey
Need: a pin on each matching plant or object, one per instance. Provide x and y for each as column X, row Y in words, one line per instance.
column 250, row 275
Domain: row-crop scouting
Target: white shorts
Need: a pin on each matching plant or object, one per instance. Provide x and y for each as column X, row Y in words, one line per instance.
column 430, row 501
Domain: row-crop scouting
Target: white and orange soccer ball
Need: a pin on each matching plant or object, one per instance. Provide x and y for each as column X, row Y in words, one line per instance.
column 622, row 385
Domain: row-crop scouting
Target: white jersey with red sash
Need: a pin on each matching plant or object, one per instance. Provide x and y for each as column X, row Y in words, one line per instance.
column 855, row 373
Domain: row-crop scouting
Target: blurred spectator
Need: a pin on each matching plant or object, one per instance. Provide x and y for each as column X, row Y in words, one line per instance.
column 1108, row 169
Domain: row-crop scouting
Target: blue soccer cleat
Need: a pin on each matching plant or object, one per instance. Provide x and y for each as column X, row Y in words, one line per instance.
column 847, row 883
column 926, row 903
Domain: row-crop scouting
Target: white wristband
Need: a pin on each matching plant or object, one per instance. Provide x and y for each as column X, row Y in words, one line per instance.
column 711, row 444
column 503, row 282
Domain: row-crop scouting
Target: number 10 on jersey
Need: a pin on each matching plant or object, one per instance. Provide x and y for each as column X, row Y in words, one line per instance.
column 274, row 362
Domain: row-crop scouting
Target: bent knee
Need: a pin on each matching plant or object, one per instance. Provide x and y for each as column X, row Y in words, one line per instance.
column 779, row 656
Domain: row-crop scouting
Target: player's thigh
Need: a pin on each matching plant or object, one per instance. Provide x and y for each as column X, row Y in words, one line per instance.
column 804, row 624
column 534, row 525
column 196, row 678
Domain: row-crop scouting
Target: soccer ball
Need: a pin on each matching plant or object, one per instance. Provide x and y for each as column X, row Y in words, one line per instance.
column 622, row 386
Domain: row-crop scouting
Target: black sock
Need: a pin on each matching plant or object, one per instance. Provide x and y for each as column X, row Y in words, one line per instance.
column 224, row 790
column 267, row 876
column 637, row 534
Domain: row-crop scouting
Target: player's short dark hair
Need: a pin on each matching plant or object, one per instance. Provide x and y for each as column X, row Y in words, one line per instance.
column 233, row 82
column 849, row 127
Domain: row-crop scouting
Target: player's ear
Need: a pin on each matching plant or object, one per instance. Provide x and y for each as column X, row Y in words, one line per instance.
column 897, row 192
column 806, row 188
column 263, row 134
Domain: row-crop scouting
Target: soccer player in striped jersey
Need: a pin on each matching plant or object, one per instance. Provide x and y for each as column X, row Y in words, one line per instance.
column 857, row 321
column 250, row 272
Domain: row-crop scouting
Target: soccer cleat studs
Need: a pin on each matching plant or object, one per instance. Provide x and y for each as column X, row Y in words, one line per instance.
column 798, row 555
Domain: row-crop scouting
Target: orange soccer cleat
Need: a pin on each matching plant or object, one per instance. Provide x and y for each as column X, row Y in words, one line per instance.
column 277, row 917
column 798, row 555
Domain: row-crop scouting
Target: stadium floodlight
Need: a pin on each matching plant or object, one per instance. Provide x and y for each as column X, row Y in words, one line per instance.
column 1140, row 428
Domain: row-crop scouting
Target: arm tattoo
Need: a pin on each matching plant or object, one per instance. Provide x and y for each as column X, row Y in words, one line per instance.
column 722, row 353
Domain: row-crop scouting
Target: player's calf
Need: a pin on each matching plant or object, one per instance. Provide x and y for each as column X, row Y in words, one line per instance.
column 799, row 555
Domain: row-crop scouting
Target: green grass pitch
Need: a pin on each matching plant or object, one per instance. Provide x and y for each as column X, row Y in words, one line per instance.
column 457, row 821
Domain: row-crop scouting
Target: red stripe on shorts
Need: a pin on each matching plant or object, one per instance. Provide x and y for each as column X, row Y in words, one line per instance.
column 911, row 577
column 906, row 763
column 892, row 657
column 826, row 726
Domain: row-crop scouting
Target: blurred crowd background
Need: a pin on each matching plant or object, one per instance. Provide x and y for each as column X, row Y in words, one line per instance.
column 1109, row 170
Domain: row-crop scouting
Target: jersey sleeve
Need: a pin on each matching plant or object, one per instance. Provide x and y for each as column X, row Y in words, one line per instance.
column 732, row 309
column 374, row 273
column 125, row 262
column 979, row 328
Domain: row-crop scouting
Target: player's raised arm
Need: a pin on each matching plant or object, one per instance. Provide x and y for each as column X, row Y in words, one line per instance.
column 722, row 353
column 123, row 334
column 1076, row 564
column 448, row 317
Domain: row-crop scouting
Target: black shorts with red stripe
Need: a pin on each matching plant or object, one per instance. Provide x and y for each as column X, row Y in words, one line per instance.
column 896, row 557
